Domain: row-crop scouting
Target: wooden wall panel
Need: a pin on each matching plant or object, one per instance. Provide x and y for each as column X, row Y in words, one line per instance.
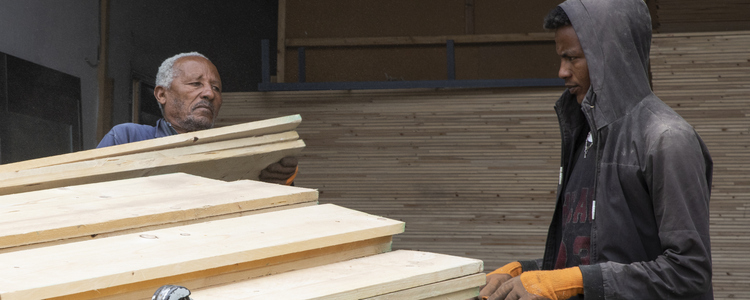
column 366, row 18
column 706, row 78
column 473, row 173
column 331, row 19
column 492, row 16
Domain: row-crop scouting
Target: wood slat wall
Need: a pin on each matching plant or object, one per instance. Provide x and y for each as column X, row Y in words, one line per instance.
column 473, row 172
column 706, row 78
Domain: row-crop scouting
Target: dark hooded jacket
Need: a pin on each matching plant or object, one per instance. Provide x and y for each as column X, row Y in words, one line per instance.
column 650, row 228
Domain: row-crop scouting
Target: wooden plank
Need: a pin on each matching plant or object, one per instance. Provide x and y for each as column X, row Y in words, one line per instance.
column 243, row 271
column 104, row 115
column 44, row 216
column 249, row 129
column 355, row 279
column 421, row 40
column 102, row 263
column 214, row 160
column 454, row 289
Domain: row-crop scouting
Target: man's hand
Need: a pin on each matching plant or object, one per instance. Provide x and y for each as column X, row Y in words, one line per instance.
column 511, row 289
column 282, row 172
column 503, row 286
column 558, row 284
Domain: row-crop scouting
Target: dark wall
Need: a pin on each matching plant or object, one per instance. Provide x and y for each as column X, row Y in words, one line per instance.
column 60, row 35
column 144, row 33
column 337, row 19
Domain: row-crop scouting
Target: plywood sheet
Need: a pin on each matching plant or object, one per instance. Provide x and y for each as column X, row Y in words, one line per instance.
column 106, row 207
column 229, row 160
column 97, row 264
column 355, row 279
column 454, row 289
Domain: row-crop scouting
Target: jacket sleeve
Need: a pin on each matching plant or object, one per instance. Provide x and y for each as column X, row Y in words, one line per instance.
column 677, row 173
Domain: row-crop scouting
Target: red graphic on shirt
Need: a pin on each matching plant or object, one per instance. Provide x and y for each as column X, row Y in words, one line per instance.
column 576, row 230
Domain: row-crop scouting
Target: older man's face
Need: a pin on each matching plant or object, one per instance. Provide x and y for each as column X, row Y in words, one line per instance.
column 193, row 100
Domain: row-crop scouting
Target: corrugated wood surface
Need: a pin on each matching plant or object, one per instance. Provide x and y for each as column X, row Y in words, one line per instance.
column 706, row 78
column 472, row 173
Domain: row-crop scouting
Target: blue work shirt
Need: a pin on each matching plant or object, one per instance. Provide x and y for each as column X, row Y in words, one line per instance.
column 131, row 132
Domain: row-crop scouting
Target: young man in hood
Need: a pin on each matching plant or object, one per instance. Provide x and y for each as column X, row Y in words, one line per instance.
column 188, row 89
column 631, row 219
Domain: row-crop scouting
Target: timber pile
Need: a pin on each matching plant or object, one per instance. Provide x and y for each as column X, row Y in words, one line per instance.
column 705, row 77
column 122, row 239
column 229, row 153
column 472, row 172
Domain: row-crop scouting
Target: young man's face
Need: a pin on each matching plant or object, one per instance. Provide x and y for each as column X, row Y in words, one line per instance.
column 193, row 100
column 573, row 67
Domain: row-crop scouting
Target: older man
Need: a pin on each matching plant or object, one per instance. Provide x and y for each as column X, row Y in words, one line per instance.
column 188, row 89
column 631, row 220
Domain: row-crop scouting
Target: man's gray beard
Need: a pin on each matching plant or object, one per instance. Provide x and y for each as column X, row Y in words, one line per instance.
column 191, row 124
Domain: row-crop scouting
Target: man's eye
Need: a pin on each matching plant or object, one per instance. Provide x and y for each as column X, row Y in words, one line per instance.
column 216, row 88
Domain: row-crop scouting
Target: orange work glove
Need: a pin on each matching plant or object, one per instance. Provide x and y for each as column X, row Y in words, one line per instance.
column 281, row 172
column 558, row 284
column 291, row 179
column 513, row 269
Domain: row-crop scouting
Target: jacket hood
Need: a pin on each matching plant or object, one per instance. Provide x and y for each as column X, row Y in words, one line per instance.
column 616, row 38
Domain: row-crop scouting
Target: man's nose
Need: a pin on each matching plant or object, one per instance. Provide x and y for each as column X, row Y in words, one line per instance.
column 564, row 71
column 208, row 92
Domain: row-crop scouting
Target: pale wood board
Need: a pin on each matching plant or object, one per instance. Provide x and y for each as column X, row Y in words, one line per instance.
column 353, row 279
column 244, row 271
column 152, row 155
column 249, row 129
column 230, row 164
column 75, row 213
column 454, row 289
column 97, row 264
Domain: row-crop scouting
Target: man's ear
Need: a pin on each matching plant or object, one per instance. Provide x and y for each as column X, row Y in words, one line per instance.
column 161, row 94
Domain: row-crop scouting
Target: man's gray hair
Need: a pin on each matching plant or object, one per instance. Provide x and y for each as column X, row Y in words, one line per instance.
column 167, row 72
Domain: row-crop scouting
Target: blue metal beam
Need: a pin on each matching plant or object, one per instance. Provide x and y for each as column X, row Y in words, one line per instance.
column 372, row 85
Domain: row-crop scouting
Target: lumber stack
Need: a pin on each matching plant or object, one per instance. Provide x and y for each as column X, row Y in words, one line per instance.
column 123, row 238
column 705, row 77
column 228, row 153
column 473, row 172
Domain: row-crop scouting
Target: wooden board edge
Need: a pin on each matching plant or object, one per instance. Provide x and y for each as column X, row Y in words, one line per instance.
column 466, row 287
column 91, row 236
column 224, row 133
column 225, row 275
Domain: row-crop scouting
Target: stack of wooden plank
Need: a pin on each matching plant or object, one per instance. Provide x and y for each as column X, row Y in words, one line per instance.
column 705, row 77
column 473, row 172
column 122, row 239
column 227, row 153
